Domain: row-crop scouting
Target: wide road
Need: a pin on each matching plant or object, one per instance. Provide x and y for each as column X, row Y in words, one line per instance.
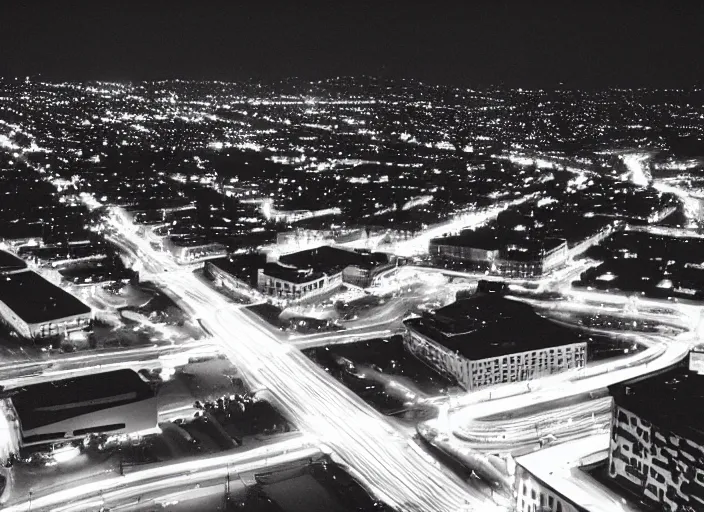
column 359, row 435
column 115, row 490
column 24, row 374
column 381, row 456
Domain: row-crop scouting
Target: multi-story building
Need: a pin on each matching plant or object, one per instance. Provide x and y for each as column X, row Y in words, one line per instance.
column 289, row 282
column 534, row 495
column 514, row 258
column 571, row 481
column 187, row 249
column 657, row 438
column 36, row 308
column 318, row 270
column 487, row 340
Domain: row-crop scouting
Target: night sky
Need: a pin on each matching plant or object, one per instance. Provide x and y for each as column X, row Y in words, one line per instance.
column 518, row 44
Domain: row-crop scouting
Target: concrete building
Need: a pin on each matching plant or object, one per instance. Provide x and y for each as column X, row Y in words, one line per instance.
column 318, row 270
column 534, row 495
column 117, row 402
column 519, row 257
column 565, row 477
column 36, row 308
column 235, row 273
column 487, row 340
column 187, row 249
column 657, row 438
column 289, row 282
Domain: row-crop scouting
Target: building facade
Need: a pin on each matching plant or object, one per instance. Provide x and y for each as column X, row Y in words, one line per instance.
column 364, row 276
column 298, row 286
column 186, row 253
column 318, row 270
column 668, row 469
column 36, row 308
column 473, row 374
column 657, row 447
column 511, row 261
column 532, row 495
column 223, row 278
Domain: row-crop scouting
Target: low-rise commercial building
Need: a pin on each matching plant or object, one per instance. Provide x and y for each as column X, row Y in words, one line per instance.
column 487, row 340
column 117, row 402
column 64, row 254
column 515, row 257
column 187, row 249
column 36, row 308
column 235, row 272
column 10, row 264
column 657, row 438
column 564, row 478
column 289, row 282
column 318, row 270
column 534, row 495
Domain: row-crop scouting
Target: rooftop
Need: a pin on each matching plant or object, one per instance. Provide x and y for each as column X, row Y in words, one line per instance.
column 194, row 241
column 241, row 266
column 291, row 274
column 35, row 300
column 331, row 260
column 485, row 326
column 509, row 245
column 558, row 467
column 673, row 400
column 41, row 404
column 9, row 262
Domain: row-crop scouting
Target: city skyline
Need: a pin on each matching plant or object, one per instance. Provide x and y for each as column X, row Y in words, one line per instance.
column 353, row 257
column 578, row 45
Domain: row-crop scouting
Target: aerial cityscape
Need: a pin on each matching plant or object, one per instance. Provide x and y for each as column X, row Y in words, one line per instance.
column 359, row 292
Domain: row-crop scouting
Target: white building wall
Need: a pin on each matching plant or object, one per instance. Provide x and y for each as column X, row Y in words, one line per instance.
column 533, row 496
column 497, row 370
column 527, row 365
column 296, row 291
column 14, row 321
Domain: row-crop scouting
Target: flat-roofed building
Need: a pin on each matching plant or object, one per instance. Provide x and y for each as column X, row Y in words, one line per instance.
column 513, row 256
column 36, row 308
column 117, row 402
column 487, row 340
column 355, row 267
column 192, row 249
column 321, row 269
column 534, row 495
column 657, row 438
column 9, row 263
column 289, row 282
column 235, row 272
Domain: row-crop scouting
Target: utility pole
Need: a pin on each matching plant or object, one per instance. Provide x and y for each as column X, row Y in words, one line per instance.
column 227, row 485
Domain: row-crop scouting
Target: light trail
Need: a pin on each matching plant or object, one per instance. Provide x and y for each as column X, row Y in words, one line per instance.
column 358, row 435
column 507, row 435
column 419, row 244
column 163, row 477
